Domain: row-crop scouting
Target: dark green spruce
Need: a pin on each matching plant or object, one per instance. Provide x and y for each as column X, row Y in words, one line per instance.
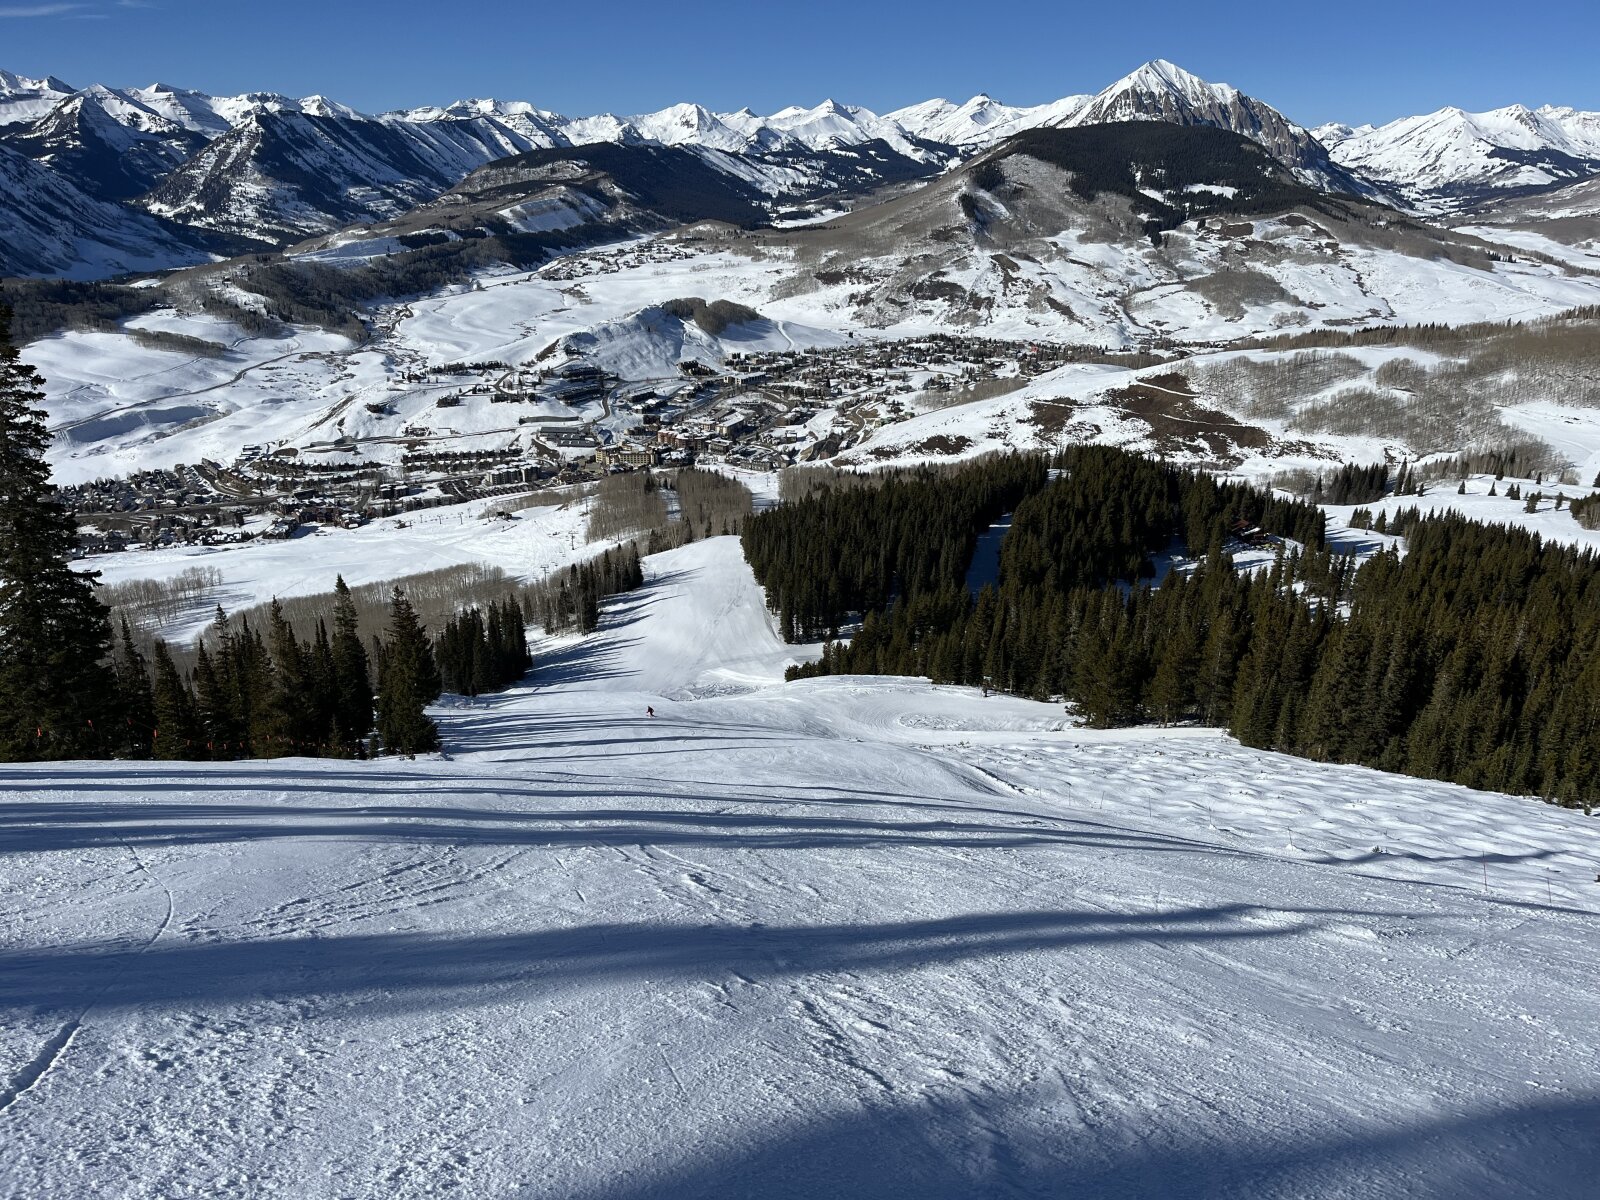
column 61, row 698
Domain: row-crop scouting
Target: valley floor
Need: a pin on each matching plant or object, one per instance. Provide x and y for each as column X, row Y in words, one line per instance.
column 848, row 937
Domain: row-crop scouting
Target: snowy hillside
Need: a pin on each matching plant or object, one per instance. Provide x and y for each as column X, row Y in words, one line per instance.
column 284, row 175
column 1563, row 222
column 23, row 100
column 108, row 144
column 1017, row 244
column 119, row 405
column 50, row 227
column 852, row 937
column 1450, row 159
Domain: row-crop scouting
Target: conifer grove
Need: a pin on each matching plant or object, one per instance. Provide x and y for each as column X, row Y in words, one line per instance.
column 1474, row 657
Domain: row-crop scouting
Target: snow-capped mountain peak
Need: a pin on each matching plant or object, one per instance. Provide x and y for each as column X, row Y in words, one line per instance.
column 1163, row 91
column 23, row 99
column 321, row 106
column 982, row 120
column 1332, row 133
column 480, row 107
column 1452, row 156
column 10, row 84
column 1159, row 75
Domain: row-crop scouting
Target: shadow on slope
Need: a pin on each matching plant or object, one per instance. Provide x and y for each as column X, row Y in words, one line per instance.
column 424, row 972
column 945, row 1149
column 45, row 826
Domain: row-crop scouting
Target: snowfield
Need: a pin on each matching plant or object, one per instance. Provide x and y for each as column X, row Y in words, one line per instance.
column 529, row 545
column 849, row 938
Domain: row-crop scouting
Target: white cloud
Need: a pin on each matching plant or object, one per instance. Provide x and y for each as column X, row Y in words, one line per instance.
column 37, row 10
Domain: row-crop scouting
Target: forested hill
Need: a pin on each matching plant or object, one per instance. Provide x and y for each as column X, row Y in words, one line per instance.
column 1474, row 658
column 1170, row 173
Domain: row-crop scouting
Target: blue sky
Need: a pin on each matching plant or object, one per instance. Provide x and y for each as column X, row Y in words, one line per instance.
column 1356, row 61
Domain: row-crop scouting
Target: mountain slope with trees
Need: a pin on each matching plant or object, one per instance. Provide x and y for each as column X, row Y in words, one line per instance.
column 1473, row 658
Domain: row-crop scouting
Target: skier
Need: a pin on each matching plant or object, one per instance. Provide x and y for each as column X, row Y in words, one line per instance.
column 648, row 711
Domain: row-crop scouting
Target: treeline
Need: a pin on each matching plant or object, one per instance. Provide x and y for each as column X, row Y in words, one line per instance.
column 625, row 504
column 848, row 550
column 1120, row 656
column 1352, row 484
column 484, row 651
column 570, row 599
column 1473, row 658
column 1448, row 403
column 1528, row 459
column 634, row 503
column 1451, row 404
column 178, row 343
column 253, row 687
column 46, row 306
column 258, row 690
column 1059, row 625
column 837, row 553
column 436, row 596
column 1428, row 336
column 711, row 504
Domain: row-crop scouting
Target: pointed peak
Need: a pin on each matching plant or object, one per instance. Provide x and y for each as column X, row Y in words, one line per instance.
column 321, row 106
column 1166, row 71
column 1159, row 74
column 11, row 82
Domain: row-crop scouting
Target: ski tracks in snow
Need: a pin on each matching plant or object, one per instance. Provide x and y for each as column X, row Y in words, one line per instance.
column 55, row 1049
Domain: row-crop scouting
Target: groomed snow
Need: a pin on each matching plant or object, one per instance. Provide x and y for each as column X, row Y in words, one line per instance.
column 849, row 937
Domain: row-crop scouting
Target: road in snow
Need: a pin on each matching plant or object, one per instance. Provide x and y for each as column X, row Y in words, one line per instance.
column 850, row 938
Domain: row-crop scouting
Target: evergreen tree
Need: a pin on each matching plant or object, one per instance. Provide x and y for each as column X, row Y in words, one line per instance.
column 321, row 681
column 132, row 674
column 213, row 710
column 54, row 638
column 409, row 682
column 282, row 728
column 177, row 732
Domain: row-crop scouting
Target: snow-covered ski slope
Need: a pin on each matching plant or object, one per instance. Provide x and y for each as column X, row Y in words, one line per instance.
column 847, row 938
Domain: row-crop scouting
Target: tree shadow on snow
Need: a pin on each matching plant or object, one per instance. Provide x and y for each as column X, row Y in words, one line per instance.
column 409, row 972
column 45, row 826
column 973, row 1146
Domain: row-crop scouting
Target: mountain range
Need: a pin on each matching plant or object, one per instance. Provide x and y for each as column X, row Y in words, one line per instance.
column 103, row 180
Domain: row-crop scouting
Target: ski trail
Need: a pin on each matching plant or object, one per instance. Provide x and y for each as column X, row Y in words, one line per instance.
column 166, row 921
column 55, row 1049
